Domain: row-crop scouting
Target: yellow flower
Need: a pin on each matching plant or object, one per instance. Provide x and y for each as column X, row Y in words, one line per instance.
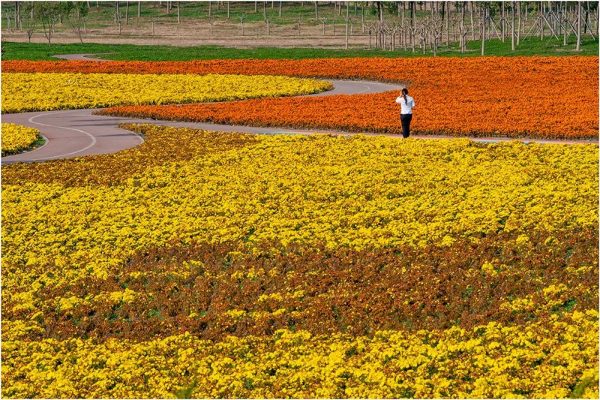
column 17, row 137
column 489, row 268
column 54, row 91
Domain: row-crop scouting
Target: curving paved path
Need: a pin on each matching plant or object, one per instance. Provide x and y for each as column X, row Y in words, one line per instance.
column 75, row 133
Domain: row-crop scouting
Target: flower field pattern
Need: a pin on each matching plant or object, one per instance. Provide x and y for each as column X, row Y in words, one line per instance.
column 45, row 91
column 16, row 138
column 206, row 264
column 476, row 363
column 360, row 113
column 484, row 96
column 113, row 169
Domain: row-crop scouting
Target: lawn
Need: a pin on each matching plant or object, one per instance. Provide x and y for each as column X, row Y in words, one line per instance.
column 40, row 51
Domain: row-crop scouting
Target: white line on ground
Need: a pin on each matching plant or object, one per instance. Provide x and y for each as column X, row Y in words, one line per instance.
column 93, row 139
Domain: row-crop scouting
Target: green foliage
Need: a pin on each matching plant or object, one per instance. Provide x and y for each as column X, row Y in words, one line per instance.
column 36, row 51
column 580, row 387
column 187, row 391
column 49, row 14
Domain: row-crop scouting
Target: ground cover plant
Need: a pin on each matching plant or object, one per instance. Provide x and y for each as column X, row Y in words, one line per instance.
column 474, row 97
column 16, row 138
column 208, row 264
column 47, row 91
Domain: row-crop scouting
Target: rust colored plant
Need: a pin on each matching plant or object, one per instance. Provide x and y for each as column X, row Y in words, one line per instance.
column 215, row 290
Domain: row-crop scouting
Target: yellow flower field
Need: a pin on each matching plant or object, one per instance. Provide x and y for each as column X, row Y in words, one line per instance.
column 457, row 363
column 53, row 91
column 207, row 264
column 367, row 192
column 17, row 137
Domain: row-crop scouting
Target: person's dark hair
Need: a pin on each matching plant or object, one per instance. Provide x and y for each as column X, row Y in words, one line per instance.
column 404, row 93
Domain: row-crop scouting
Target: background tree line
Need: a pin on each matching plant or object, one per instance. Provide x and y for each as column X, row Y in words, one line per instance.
column 390, row 25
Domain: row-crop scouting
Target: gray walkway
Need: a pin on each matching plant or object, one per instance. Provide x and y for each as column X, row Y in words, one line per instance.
column 75, row 133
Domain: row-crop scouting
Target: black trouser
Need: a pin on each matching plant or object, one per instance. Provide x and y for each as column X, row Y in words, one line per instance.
column 405, row 119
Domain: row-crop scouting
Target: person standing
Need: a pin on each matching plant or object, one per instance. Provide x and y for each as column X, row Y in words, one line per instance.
column 407, row 103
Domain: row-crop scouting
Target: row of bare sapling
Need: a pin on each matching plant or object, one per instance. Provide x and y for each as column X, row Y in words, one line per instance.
column 437, row 23
column 475, row 22
column 470, row 21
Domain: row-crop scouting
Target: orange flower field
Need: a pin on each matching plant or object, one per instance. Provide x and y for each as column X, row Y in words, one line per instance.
column 544, row 97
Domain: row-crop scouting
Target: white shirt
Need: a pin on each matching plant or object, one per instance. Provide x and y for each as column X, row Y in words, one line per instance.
column 406, row 106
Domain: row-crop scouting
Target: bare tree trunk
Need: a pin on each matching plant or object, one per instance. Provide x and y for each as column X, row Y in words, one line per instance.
column 228, row 9
column 447, row 23
column 598, row 19
column 462, row 26
column 565, row 22
column 483, row 20
column 139, row 14
column 519, row 23
column 597, row 30
column 178, row 12
column 347, row 22
column 587, row 15
column 127, row 13
column 488, row 24
column 20, row 22
column 471, row 8
column 362, row 22
column 512, row 26
column 557, row 24
column 578, row 47
column 17, row 15
column 403, row 12
column 279, row 8
column 210, row 8
column 502, row 24
column 542, row 26
column 316, row 10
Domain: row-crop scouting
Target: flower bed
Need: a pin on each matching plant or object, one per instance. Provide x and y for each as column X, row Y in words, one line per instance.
column 547, row 97
column 16, row 138
column 46, row 91
column 259, row 266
